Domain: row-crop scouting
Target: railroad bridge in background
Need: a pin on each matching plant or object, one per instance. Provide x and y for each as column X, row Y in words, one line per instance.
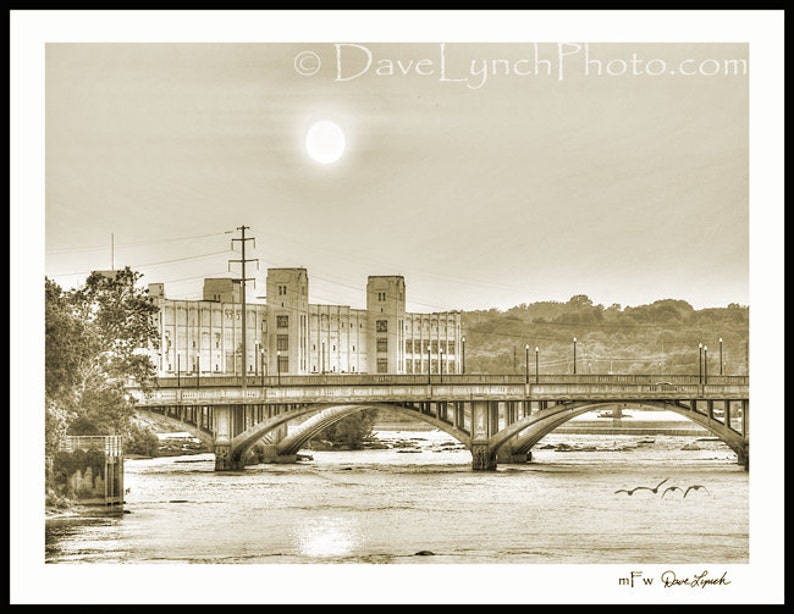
column 499, row 418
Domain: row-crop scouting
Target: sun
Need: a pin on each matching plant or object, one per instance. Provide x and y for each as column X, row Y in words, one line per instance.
column 325, row 142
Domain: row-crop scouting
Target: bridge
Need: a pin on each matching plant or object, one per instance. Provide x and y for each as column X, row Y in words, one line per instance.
column 499, row 418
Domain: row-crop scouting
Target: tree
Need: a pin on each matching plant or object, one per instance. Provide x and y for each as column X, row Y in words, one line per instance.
column 351, row 431
column 95, row 343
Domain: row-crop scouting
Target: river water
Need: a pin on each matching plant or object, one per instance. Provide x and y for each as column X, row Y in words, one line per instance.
column 424, row 504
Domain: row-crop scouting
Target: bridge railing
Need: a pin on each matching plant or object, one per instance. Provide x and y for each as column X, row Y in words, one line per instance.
column 226, row 381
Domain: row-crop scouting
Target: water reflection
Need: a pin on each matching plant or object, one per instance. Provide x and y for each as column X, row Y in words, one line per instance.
column 326, row 537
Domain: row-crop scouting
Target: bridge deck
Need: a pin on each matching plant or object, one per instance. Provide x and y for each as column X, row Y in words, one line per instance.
column 410, row 389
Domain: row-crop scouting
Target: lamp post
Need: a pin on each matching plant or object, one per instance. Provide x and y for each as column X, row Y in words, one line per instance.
column 198, row 370
column 178, row 368
column 526, row 364
column 700, row 363
column 705, row 364
column 574, row 355
column 262, row 365
column 429, row 370
column 441, row 365
column 537, row 377
column 278, row 366
column 721, row 356
column 463, row 354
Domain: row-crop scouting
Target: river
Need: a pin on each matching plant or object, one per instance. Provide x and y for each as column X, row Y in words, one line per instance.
column 424, row 505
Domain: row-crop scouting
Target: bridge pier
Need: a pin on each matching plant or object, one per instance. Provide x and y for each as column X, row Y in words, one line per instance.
column 482, row 457
column 508, row 456
column 743, row 455
column 224, row 459
column 270, row 455
column 223, row 455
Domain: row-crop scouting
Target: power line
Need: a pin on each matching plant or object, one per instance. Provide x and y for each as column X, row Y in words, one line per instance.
column 58, row 250
column 150, row 264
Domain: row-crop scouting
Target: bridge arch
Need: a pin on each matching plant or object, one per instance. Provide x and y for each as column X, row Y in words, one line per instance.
column 522, row 435
column 324, row 416
column 177, row 424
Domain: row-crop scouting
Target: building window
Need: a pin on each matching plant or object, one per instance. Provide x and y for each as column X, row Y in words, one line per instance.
column 282, row 321
column 283, row 364
column 282, row 343
column 383, row 365
column 381, row 297
column 217, row 340
column 381, row 326
column 354, row 348
column 382, row 344
column 282, row 290
column 409, row 346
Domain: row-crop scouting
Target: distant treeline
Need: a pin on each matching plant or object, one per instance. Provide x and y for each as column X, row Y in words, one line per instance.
column 662, row 337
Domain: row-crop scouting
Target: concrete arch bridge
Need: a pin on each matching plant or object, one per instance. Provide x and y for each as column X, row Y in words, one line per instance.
column 498, row 418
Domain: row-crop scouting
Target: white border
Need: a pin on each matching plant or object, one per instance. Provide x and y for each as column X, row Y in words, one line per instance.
column 33, row 582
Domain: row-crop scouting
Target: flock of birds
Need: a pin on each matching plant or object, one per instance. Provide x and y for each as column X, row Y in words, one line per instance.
column 655, row 489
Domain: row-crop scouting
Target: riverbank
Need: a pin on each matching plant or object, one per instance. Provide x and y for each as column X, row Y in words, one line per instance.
column 79, row 513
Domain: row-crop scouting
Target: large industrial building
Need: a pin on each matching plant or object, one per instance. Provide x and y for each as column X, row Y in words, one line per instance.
column 289, row 335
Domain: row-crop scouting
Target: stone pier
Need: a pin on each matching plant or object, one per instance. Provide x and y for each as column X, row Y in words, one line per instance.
column 482, row 457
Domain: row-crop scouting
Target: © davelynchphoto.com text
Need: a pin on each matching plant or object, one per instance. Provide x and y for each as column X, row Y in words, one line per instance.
column 448, row 65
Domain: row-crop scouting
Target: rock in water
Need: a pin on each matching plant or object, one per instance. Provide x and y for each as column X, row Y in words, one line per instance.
column 425, row 553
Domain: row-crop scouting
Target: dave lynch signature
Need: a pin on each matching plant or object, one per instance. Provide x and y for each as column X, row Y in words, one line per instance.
column 702, row 580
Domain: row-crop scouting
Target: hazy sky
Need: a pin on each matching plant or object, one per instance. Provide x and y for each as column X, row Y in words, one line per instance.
column 488, row 175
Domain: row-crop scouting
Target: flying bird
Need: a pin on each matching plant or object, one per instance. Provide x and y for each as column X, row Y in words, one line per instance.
column 669, row 488
column 696, row 487
column 654, row 490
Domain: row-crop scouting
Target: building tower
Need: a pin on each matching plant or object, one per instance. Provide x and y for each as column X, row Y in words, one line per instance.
column 385, row 324
column 287, row 321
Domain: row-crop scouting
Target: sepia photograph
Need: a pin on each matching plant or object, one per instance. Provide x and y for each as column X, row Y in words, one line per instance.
column 396, row 307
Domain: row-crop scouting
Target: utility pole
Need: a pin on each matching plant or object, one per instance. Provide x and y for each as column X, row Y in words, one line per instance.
column 243, row 279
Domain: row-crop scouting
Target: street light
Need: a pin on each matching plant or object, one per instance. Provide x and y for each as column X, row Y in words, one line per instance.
column 700, row 363
column 198, row 370
column 705, row 364
column 536, row 365
column 278, row 366
column 429, row 370
column 526, row 364
column 463, row 354
column 441, row 364
column 178, row 368
column 262, row 365
column 720, row 355
column 574, row 355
